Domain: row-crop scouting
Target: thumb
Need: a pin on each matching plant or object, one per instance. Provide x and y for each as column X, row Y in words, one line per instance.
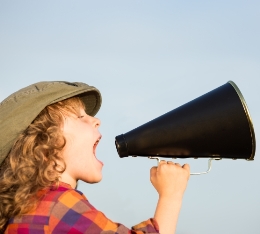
column 153, row 171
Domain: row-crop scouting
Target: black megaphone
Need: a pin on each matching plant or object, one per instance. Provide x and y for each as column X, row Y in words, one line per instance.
column 214, row 125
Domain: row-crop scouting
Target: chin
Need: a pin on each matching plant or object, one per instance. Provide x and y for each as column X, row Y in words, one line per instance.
column 93, row 180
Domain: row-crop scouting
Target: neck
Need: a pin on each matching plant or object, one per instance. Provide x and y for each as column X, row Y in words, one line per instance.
column 68, row 180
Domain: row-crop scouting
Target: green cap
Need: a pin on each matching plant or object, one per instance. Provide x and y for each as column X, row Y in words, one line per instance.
column 19, row 110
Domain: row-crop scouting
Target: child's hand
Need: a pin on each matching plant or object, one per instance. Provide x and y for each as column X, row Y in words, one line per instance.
column 170, row 179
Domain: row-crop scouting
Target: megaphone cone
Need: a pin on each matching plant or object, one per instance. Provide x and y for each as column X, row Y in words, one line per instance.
column 214, row 125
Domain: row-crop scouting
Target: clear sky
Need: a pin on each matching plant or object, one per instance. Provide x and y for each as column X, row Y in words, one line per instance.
column 147, row 58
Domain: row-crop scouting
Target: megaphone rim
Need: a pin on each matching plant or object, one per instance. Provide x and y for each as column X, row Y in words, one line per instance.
column 250, row 122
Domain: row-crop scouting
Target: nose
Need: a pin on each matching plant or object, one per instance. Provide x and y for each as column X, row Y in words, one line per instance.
column 96, row 122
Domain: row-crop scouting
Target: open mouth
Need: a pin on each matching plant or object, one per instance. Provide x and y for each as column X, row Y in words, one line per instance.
column 95, row 145
column 94, row 150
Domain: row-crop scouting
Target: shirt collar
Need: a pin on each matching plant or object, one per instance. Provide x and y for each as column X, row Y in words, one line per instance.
column 64, row 185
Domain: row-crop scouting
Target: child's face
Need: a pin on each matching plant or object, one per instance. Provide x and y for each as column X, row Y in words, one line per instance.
column 82, row 136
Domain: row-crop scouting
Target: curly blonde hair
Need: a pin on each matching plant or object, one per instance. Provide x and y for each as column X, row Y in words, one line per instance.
column 35, row 161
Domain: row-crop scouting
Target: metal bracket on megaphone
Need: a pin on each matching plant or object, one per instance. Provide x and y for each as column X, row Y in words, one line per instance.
column 194, row 173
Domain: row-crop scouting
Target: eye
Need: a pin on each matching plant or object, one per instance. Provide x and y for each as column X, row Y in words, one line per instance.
column 80, row 117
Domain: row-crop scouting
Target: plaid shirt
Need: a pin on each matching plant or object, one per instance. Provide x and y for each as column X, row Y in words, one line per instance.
column 66, row 210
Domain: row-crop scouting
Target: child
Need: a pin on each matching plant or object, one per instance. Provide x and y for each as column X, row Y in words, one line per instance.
column 48, row 142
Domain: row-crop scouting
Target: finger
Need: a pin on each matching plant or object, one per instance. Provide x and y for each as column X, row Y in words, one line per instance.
column 162, row 162
column 177, row 164
column 186, row 166
column 170, row 162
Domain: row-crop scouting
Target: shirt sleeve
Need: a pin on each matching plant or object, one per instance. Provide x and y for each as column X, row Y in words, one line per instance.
column 72, row 213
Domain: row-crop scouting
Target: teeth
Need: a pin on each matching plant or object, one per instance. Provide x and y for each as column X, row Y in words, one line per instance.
column 97, row 141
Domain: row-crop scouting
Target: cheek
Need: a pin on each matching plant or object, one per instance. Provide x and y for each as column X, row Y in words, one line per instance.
column 85, row 135
column 79, row 138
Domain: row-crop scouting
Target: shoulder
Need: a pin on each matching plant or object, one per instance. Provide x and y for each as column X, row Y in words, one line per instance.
column 53, row 204
column 72, row 199
column 72, row 212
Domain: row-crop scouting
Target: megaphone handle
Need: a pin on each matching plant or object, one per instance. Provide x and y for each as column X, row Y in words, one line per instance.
column 194, row 173
column 158, row 159
column 209, row 167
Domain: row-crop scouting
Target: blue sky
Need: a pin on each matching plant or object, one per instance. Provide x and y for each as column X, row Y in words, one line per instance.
column 147, row 58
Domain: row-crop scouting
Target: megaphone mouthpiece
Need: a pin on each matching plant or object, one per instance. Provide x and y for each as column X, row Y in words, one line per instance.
column 121, row 146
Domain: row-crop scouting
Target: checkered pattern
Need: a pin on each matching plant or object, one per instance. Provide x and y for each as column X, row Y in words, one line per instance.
column 66, row 210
